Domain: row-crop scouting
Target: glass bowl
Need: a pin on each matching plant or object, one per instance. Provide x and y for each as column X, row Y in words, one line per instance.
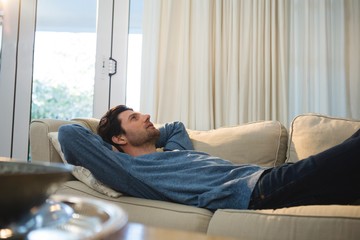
column 26, row 186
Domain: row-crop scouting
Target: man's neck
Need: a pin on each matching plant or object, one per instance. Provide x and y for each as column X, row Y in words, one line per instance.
column 138, row 151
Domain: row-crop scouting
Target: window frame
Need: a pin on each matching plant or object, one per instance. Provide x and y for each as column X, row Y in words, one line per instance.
column 16, row 72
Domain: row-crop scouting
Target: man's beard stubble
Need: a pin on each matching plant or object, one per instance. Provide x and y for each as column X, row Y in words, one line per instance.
column 150, row 139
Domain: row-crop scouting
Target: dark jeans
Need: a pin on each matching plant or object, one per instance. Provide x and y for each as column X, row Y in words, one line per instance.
column 330, row 177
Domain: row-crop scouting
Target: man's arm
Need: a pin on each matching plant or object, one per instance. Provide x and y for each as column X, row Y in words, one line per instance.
column 174, row 136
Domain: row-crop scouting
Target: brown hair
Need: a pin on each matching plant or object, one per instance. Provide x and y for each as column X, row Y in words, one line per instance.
column 110, row 126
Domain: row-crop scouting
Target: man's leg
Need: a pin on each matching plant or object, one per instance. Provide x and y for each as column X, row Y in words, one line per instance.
column 330, row 177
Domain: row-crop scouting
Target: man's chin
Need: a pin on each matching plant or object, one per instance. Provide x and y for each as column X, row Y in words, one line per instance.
column 155, row 134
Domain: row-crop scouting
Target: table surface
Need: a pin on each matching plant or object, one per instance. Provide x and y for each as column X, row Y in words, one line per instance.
column 135, row 231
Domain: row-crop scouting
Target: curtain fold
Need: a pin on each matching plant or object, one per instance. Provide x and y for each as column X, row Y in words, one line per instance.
column 314, row 44
column 214, row 63
column 352, row 59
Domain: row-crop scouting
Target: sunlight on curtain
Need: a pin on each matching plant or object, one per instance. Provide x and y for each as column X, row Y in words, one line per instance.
column 213, row 63
column 250, row 61
column 352, row 60
column 324, row 57
column 176, row 51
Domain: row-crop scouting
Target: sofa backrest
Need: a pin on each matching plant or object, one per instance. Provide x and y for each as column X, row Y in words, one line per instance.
column 41, row 148
column 263, row 142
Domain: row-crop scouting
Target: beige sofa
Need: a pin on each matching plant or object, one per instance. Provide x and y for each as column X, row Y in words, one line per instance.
column 266, row 143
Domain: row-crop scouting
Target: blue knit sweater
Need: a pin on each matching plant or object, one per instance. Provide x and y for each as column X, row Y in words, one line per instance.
column 179, row 174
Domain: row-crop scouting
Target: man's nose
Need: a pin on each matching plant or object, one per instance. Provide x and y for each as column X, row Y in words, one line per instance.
column 146, row 117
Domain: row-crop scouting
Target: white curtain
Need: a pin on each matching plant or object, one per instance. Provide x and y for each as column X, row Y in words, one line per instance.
column 177, row 66
column 352, row 59
column 213, row 63
column 324, row 63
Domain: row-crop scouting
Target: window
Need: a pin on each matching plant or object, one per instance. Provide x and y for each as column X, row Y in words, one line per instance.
column 61, row 62
column 134, row 55
column 1, row 23
column 64, row 59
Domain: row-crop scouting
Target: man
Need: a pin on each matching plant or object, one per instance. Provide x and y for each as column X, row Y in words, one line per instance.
column 125, row 158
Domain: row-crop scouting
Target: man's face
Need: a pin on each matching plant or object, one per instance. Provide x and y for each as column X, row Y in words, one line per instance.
column 139, row 130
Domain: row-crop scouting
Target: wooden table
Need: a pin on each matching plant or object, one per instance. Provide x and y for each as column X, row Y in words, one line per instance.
column 135, row 231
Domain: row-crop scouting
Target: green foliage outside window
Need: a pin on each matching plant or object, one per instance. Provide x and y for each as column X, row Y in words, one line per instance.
column 60, row 102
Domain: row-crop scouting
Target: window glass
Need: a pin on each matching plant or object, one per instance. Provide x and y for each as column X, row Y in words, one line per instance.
column 1, row 24
column 134, row 55
column 64, row 59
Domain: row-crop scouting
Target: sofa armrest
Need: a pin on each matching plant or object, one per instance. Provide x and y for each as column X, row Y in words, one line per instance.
column 41, row 148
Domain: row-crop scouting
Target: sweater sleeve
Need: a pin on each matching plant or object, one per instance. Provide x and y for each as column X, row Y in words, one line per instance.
column 81, row 147
column 173, row 136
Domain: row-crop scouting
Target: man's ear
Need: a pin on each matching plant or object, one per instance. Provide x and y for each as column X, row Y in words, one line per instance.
column 120, row 140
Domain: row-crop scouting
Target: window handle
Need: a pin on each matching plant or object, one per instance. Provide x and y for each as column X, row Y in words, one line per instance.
column 112, row 66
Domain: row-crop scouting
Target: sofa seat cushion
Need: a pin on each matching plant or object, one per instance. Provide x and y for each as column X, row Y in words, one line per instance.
column 149, row 212
column 313, row 133
column 305, row 222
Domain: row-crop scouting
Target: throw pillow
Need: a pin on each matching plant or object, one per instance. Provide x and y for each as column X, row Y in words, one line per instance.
column 263, row 143
column 83, row 174
column 313, row 133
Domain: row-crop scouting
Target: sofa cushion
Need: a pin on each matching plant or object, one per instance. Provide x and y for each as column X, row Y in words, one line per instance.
column 82, row 174
column 304, row 222
column 150, row 212
column 41, row 148
column 312, row 133
column 263, row 143
column 90, row 123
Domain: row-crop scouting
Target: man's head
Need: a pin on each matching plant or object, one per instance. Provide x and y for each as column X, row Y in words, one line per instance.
column 109, row 124
column 124, row 128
